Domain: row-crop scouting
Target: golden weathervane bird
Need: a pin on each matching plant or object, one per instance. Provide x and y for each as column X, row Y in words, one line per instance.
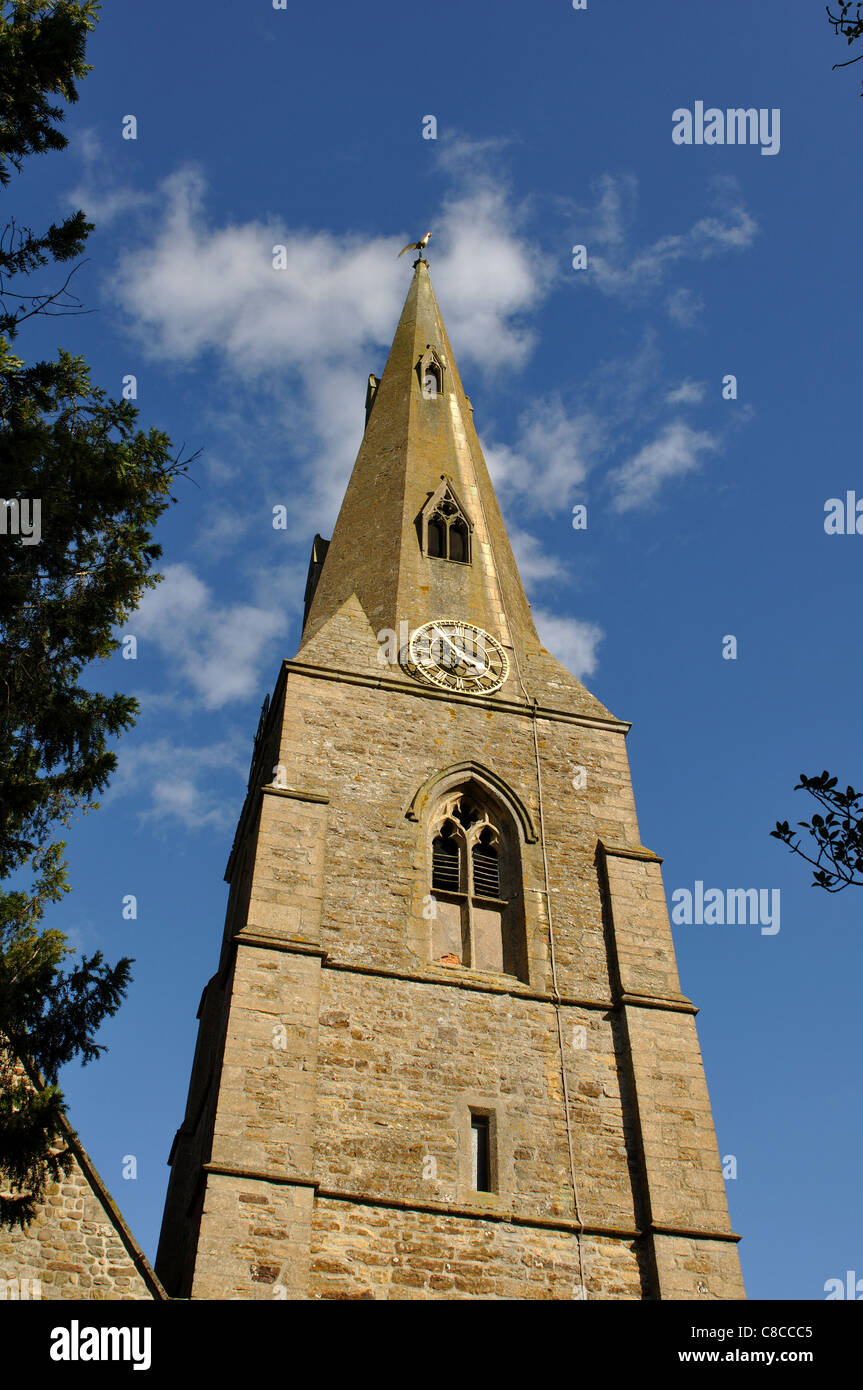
column 416, row 245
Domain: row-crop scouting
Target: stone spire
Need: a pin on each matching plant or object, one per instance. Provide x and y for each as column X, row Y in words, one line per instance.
column 420, row 451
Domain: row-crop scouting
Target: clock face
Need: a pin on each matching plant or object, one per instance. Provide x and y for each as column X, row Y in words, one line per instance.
column 458, row 656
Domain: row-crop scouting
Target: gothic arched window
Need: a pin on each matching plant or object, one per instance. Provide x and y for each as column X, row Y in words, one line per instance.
column 444, row 526
column 431, row 382
column 431, row 373
column 476, row 886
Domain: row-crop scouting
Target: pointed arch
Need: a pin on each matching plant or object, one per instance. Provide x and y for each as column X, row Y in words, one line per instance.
column 431, row 373
column 444, row 526
column 472, row 868
column 460, row 775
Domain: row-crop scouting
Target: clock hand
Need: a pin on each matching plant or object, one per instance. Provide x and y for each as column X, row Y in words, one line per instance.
column 472, row 661
column 449, row 643
column 462, row 655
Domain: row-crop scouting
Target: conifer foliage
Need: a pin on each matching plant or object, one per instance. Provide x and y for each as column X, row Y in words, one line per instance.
column 91, row 486
column 42, row 45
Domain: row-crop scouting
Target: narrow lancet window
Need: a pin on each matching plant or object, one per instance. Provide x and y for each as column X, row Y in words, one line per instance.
column 431, row 382
column 480, row 1153
column 430, row 372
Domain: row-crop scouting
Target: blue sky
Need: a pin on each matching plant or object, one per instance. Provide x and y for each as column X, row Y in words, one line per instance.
column 303, row 127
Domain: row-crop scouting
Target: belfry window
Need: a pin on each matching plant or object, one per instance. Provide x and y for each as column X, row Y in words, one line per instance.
column 431, row 374
column 478, row 919
column 445, row 528
column 432, row 381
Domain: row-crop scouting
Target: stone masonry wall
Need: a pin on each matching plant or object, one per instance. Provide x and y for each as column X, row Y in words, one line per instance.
column 340, row 1159
column 400, row 1065
column 367, row 1252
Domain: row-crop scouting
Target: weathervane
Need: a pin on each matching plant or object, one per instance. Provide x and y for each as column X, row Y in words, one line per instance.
column 416, row 246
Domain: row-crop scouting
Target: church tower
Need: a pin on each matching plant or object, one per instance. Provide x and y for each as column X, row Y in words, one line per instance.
column 445, row 1053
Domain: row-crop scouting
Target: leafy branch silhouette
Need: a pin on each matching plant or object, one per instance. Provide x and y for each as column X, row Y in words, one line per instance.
column 837, row 836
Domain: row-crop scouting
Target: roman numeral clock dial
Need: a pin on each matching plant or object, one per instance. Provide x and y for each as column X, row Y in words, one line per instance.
column 457, row 656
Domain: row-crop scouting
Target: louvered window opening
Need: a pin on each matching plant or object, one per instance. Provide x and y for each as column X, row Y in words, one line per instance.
column 445, row 865
column 448, row 538
column 486, row 874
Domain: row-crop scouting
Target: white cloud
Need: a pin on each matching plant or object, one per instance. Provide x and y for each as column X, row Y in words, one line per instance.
column 571, row 640
column 219, row 470
column 179, row 797
column 683, row 307
column 535, row 564
column 551, row 458
column 632, row 273
column 302, row 340
column 197, row 288
column 309, row 334
column 687, row 393
column 616, row 205
column 218, row 649
column 97, row 194
column 675, row 451
column 486, row 278
column 222, row 527
column 180, row 782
